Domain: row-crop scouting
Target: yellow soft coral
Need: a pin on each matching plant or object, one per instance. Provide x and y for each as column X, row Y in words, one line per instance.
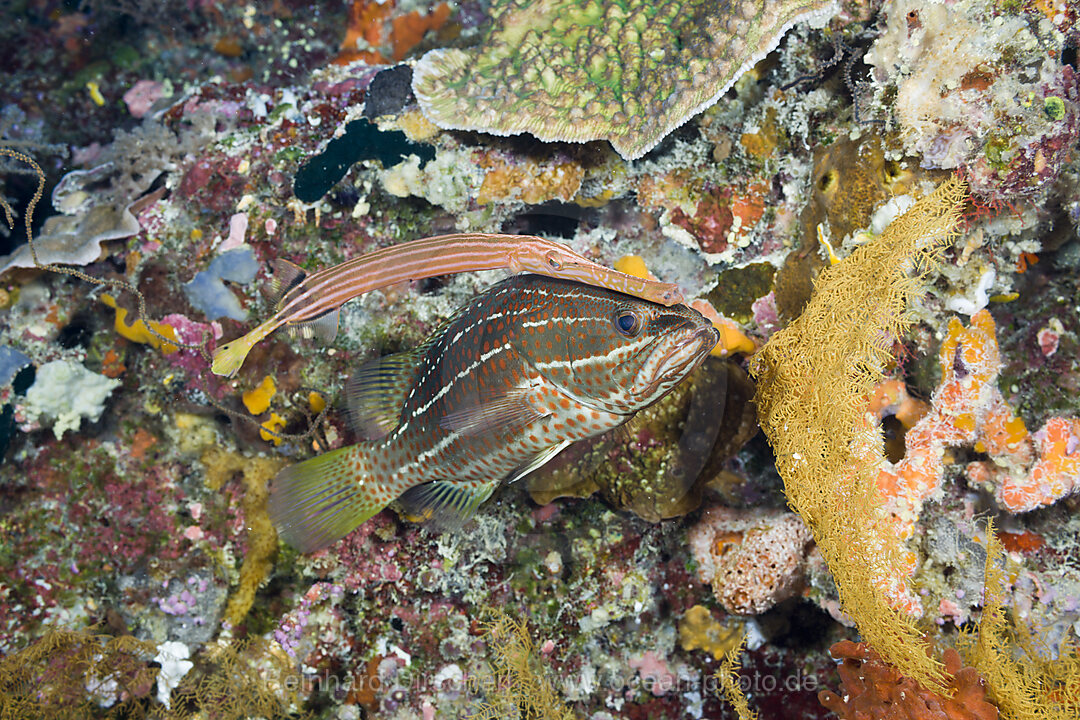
column 699, row 630
column 632, row 265
column 272, row 426
column 813, row 381
column 1021, row 681
column 728, row 677
column 522, row 688
column 261, row 536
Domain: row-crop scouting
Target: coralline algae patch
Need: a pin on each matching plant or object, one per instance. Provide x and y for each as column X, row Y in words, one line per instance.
column 981, row 90
column 68, row 542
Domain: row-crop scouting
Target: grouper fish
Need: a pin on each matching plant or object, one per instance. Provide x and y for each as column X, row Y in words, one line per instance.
column 519, row 373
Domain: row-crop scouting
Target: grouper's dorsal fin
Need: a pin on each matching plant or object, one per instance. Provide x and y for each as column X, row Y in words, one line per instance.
column 376, row 393
column 285, row 277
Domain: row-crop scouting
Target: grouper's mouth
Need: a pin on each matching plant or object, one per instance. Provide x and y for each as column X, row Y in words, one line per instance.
column 674, row 360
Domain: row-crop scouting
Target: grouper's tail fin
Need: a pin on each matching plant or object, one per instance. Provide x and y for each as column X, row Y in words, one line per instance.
column 319, row 501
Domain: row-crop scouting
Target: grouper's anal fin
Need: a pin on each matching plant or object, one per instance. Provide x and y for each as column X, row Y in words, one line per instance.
column 445, row 504
column 448, row 504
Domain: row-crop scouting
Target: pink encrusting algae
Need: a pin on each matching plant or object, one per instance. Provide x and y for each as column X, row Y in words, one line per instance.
column 311, row 303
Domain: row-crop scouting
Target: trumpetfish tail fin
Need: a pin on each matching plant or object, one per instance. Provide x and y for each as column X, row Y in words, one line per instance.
column 228, row 358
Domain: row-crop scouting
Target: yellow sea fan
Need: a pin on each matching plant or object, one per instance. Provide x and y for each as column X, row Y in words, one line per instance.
column 813, row 378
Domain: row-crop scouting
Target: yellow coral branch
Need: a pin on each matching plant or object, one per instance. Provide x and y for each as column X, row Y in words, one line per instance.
column 728, row 677
column 813, row 381
column 522, row 689
column 1023, row 685
column 261, row 537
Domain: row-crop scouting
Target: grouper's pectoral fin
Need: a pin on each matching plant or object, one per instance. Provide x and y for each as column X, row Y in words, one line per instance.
column 537, row 462
column 497, row 412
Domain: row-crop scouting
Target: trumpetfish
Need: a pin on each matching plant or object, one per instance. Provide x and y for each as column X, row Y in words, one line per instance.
column 311, row 304
column 516, row 375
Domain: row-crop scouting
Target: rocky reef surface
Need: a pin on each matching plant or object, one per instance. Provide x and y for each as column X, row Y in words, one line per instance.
column 739, row 149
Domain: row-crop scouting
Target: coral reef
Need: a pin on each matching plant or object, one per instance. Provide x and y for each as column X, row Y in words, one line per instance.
column 594, row 71
column 991, row 97
column 76, row 674
column 520, row 686
column 870, row 686
column 967, row 408
column 752, row 559
column 185, row 150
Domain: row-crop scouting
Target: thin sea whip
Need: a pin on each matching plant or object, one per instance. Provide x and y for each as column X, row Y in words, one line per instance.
column 311, row 303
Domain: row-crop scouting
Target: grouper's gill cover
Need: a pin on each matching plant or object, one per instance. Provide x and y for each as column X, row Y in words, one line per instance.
column 521, row 371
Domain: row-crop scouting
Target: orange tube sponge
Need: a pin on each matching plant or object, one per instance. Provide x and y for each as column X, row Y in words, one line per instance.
column 875, row 689
column 967, row 409
column 1056, row 473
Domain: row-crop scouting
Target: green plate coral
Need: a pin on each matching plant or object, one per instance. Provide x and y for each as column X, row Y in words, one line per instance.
column 628, row 72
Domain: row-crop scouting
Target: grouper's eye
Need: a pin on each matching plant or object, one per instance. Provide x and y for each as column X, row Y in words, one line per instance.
column 628, row 323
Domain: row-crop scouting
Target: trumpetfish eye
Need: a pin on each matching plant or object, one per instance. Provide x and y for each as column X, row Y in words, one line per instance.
column 553, row 262
column 628, row 323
